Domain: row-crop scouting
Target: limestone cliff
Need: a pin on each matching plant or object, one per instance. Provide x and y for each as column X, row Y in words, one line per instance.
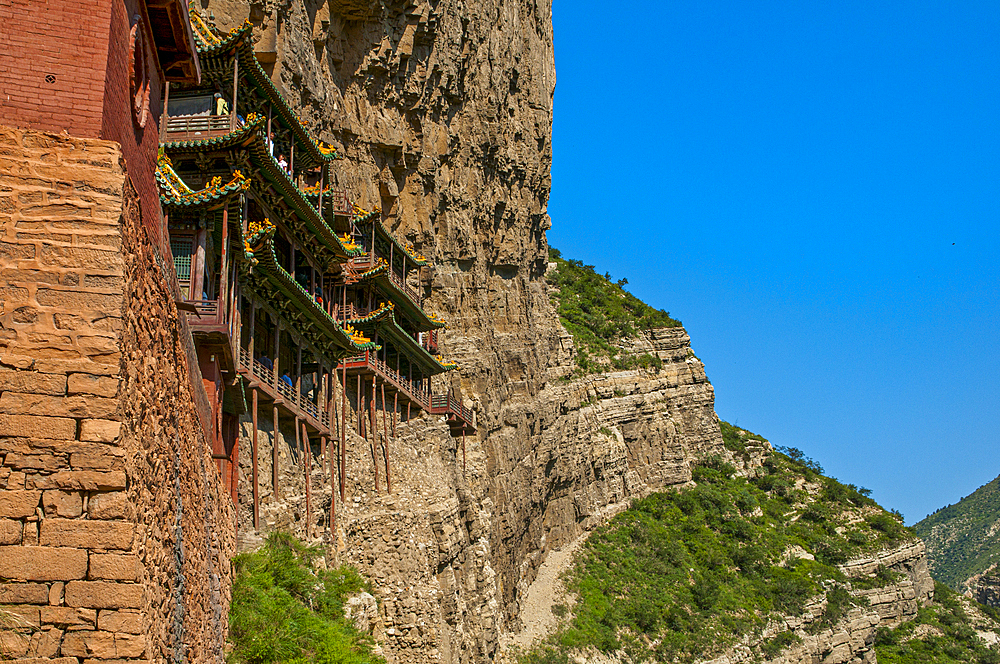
column 443, row 113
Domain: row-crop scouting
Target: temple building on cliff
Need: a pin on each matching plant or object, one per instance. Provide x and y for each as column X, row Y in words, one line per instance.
column 304, row 307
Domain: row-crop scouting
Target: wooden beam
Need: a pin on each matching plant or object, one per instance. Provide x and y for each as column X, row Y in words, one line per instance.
column 385, row 445
column 274, row 450
column 307, row 450
column 256, row 494
column 343, row 436
column 373, row 439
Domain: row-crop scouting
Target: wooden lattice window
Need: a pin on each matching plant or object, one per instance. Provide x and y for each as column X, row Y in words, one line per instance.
column 181, row 248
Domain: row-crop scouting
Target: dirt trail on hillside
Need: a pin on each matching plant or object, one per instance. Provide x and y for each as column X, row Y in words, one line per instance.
column 546, row 591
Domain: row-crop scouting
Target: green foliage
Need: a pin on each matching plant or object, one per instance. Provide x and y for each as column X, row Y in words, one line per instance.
column 948, row 636
column 600, row 313
column 285, row 609
column 736, row 439
column 959, row 537
column 681, row 575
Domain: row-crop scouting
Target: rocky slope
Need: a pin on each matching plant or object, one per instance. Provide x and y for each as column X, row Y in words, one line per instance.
column 443, row 113
column 963, row 542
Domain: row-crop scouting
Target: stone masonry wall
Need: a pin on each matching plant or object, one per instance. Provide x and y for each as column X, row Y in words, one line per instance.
column 115, row 532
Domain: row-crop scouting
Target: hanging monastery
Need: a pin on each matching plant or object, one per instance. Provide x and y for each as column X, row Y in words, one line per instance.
column 200, row 328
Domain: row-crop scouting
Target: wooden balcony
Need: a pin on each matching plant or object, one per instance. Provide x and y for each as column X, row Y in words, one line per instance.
column 210, row 328
column 364, row 263
column 284, row 395
column 460, row 419
column 340, row 202
column 187, row 127
column 408, row 389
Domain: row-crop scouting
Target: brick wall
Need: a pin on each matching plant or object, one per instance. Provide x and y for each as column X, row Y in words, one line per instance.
column 65, row 39
column 115, row 529
column 138, row 144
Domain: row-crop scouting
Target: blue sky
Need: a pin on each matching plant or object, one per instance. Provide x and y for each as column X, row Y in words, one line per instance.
column 813, row 189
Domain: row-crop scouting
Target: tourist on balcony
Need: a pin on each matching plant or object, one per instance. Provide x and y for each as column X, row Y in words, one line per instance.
column 287, row 380
column 221, row 105
column 270, row 144
column 266, row 362
column 282, row 162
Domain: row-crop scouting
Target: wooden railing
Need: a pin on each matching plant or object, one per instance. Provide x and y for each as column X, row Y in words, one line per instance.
column 207, row 312
column 200, row 126
column 411, row 388
column 366, row 262
column 340, row 202
column 430, row 341
column 443, row 404
column 299, row 404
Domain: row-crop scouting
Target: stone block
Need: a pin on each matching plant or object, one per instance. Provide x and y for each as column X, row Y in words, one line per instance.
column 27, row 615
column 86, row 533
column 42, row 563
column 18, row 504
column 82, row 480
column 56, row 593
column 32, row 382
column 101, row 431
column 46, row 660
column 43, row 461
column 66, row 615
column 103, row 595
column 108, row 458
column 113, row 505
column 38, row 426
column 102, row 386
column 89, row 644
column 114, row 566
column 16, row 403
column 10, row 532
column 67, row 504
column 24, row 593
column 120, row 621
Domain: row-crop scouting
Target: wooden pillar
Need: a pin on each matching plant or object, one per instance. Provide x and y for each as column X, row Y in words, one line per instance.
column 274, row 450
column 277, row 354
column 291, row 155
column 385, row 445
column 307, row 449
column 395, row 409
column 298, row 442
column 256, row 494
column 343, row 436
column 164, row 115
column 198, row 269
column 322, row 180
column 224, row 265
column 298, row 376
column 236, row 87
column 253, row 324
column 463, row 448
column 373, row 439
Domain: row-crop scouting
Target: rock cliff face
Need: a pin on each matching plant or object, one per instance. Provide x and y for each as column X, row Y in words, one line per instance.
column 443, row 113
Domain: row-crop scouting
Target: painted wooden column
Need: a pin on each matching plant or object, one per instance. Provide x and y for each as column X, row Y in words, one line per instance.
column 224, row 266
column 373, row 439
column 198, row 269
column 385, row 445
column 274, row 450
column 165, row 114
column 236, row 87
column 343, row 436
column 256, row 484
column 307, row 449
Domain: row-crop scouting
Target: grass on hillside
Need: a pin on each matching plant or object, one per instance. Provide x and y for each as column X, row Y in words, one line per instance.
column 681, row 575
column 943, row 633
column 286, row 609
column 600, row 313
column 961, row 540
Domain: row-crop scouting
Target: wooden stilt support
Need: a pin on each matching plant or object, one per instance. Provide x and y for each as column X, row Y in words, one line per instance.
column 274, row 452
column 256, row 484
column 395, row 409
column 298, row 443
column 373, row 439
column 385, row 443
column 307, row 450
column 463, row 449
column 343, row 436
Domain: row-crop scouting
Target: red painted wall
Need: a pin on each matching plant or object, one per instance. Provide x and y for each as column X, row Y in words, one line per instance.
column 66, row 40
column 139, row 144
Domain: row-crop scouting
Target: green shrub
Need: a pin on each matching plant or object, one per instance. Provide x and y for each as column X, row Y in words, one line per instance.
column 285, row 609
